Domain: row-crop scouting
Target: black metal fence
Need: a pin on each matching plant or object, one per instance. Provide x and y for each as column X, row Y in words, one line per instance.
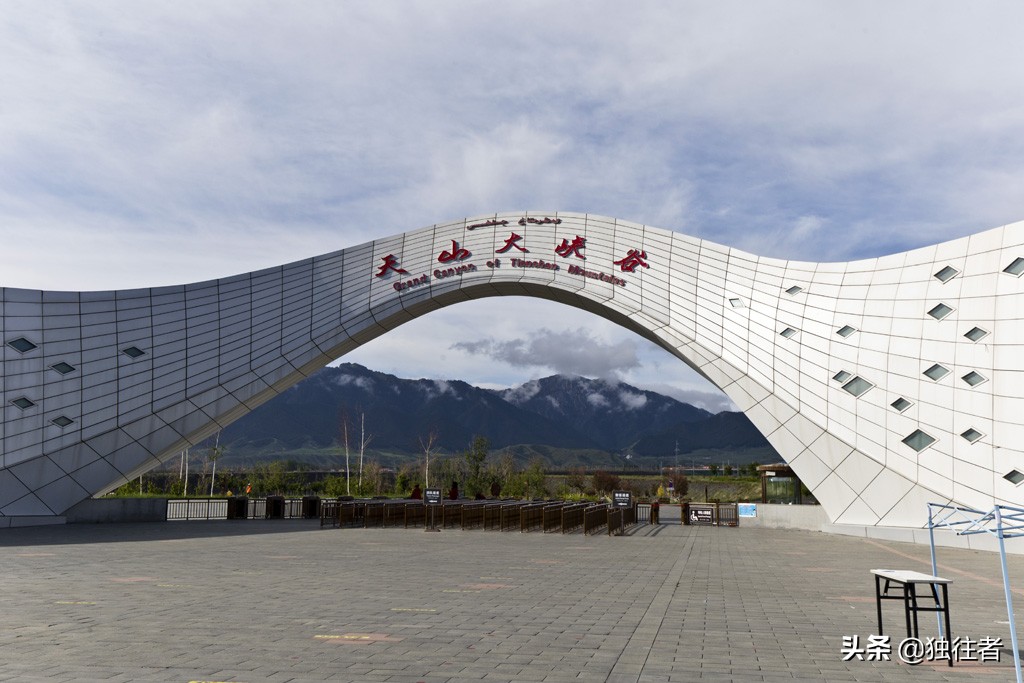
column 241, row 507
column 492, row 515
column 188, row 509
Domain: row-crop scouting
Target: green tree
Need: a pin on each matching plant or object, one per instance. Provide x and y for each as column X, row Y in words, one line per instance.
column 447, row 470
column 176, row 488
column 216, row 450
column 375, row 481
column 409, row 475
column 713, row 469
column 531, row 482
column 681, row 484
column 272, row 478
column 475, row 457
column 644, row 487
column 576, row 480
column 335, row 486
column 728, row 470
column 503, row 473
column 605, row 482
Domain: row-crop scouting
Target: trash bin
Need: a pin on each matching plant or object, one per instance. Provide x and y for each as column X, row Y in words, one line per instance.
column 238, row 508
column 310, row 507
column 275, row 507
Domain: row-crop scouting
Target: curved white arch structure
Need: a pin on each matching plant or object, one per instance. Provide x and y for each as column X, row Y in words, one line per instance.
column 885, row 383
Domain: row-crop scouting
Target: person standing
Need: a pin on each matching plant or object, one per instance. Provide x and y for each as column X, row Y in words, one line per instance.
column 654, row 511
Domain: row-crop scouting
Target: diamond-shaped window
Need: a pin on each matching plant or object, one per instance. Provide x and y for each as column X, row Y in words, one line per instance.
column 62, row 421
column 976, row 334
column 919, row 440
column 972, row 435
column 794, row 290
column 736, row 302
column 901, row 404
column 936, row 372
column 940, row 311
column 845, row 331
column 857, row 386
column 974, row 378
column 1015, row 268
column 946, row 274
column 23, row 403
column 133, row 352
column 1014, row 477
column 841, row 376
column 21, row 345
column 63, row 368
column 788, row 333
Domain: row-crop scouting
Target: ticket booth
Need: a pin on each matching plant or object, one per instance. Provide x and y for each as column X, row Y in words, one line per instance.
column 779, row 484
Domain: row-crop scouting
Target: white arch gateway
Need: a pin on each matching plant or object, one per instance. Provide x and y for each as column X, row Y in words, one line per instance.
column 885, row 383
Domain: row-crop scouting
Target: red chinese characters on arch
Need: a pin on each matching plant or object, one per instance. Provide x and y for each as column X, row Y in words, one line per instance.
column 487, row 224
column 456, row 253
column 390, row 264
column 633, row 259
column 512, row 241
column 540, row 221
column 566, row 247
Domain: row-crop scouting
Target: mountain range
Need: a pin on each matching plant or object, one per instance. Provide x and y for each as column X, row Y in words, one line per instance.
column 547, row 416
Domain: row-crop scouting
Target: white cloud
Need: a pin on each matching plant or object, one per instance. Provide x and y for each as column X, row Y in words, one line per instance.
column 437, row 387
column 632, row 401
column 597, row 400
column 364, row 383
column 570, row 352
column 146, row 144
column 522, row 393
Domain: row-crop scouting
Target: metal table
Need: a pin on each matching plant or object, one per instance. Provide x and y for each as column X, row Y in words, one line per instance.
column 908, row 581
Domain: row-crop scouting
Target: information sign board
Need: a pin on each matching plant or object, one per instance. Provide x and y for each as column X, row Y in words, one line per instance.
column 432, row 496
column 622, row 499
column 702, row 514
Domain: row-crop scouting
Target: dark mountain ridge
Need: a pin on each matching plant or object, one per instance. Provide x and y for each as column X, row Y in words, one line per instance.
column 560, row 412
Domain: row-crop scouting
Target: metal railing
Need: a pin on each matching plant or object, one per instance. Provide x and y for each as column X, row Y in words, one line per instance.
column 642, row 512
column 616, row 521
column 532, row 516
column 594, row 517
column 552, row 517
column 728, row 514
column 188, row 509
column 495, row 515
column 573, row 517
column 273, row 507
column 473, row 515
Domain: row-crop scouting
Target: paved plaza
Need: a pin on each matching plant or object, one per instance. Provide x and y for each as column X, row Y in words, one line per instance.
column 284, row 600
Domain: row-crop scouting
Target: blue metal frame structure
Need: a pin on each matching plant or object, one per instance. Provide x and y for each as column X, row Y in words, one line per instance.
column 1002, row 521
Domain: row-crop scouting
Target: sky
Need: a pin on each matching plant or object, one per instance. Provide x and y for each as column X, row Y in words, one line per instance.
column 146, row 144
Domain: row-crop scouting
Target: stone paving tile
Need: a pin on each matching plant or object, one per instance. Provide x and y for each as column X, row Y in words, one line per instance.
column 284, row 601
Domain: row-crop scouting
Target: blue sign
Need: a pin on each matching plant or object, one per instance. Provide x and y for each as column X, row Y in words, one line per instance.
column 747, row 509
